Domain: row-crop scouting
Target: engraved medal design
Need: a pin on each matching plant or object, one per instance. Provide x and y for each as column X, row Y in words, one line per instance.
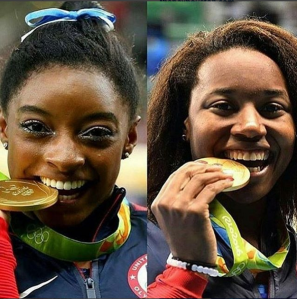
column 240, row 173
column 25, row 195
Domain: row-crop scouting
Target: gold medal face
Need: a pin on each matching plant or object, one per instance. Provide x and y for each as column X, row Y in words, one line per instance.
column 25, row 195
column 241, row 174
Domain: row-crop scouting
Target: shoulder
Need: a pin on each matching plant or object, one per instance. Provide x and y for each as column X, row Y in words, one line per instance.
column 137, row 211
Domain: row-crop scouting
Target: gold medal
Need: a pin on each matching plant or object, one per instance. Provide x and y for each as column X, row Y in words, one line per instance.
column 241, row 174
column 25, row 195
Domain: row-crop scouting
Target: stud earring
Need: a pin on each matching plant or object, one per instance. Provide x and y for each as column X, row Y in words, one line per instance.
column 126, row 155
column 184, row 137
column 5, row 145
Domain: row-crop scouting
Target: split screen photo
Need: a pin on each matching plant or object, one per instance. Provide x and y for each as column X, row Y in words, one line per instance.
column 148, row 149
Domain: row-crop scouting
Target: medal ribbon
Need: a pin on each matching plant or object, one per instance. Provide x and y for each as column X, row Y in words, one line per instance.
column 245, row 256
column 51, row 243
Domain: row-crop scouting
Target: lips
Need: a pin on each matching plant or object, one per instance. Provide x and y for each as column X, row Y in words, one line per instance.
column 255, row 160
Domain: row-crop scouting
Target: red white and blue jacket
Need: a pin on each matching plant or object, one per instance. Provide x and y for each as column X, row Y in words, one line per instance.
column 121, row 274
column 172, row 282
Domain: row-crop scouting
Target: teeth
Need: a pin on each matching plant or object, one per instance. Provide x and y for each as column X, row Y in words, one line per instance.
column 53, row 183
column 254, row 169
column 59, row 185
column 67, row 185
column 253, row 156
column 66, row 197
column 62, row 185
column 247, row 155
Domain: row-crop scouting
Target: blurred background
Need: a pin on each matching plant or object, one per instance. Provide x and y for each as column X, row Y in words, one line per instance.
column 169, row 23
column 12, row 14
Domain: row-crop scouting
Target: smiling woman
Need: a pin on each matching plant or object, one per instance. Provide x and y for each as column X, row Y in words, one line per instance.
column 69, row 99
column 225, row 94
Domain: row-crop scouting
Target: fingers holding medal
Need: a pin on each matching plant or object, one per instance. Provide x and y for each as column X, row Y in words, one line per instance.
column 240, row 173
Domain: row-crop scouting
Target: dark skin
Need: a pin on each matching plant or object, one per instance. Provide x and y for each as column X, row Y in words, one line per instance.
column 78, row 133
column 239, row 105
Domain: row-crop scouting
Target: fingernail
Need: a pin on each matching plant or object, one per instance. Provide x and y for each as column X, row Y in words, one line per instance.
column 217, row 164
column 230, row 179
column 228, row 171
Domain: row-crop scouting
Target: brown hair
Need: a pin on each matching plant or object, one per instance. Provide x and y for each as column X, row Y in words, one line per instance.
column 170, row 96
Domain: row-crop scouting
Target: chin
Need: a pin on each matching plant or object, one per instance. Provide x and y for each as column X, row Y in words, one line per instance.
column 249, row 194
column 58, row 221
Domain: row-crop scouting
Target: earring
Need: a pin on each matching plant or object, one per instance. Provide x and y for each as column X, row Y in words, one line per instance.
column 5, row 145
column 126, row 155
column 184, row 137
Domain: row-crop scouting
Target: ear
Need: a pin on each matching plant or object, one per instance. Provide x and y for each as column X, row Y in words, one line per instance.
column 131, row 139
column 3, row 128
column 187, row 129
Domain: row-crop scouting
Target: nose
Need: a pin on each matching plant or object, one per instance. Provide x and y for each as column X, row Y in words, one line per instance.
column 249, row 124
column 64, row 155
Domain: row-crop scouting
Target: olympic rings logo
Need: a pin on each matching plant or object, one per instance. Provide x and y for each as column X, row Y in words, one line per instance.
column 39, row 235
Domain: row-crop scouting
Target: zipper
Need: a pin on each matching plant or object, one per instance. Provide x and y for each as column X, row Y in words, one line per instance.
column 88, row 283
column 90, row 287
column 271, row 285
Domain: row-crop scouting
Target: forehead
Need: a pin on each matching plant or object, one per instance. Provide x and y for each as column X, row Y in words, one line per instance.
column 240, row 64
column 68, row 88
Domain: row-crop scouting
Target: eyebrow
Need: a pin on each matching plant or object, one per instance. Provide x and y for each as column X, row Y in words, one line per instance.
column 93, row 116
column 29, row 108
column 265, row 92
column 102, row 115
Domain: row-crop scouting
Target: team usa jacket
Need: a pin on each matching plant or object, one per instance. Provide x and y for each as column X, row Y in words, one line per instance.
column 121, row 274
column 178, row 283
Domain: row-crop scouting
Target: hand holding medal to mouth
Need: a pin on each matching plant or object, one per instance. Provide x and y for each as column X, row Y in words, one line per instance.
column 241, row 174
column 185, row 199
column 26, row 195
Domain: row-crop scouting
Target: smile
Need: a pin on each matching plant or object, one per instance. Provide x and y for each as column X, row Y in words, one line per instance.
column 68, row 190
column 68, row 185
column 255, row 161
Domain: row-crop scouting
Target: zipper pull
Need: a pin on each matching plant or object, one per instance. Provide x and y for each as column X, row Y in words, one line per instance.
column 89, row 283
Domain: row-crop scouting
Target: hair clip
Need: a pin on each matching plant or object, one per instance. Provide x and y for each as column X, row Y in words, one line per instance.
column 51, row 15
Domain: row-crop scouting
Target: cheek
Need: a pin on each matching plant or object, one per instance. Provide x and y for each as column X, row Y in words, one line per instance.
column 107, row 164
column 287, row 146
column 287, row 136
column 21, row 156
column 286, row 143
column 202, row 139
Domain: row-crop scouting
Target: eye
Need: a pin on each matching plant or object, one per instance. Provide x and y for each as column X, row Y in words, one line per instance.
column 222, row 108
column 97, row 134
column 35, row 127
column 272, row 108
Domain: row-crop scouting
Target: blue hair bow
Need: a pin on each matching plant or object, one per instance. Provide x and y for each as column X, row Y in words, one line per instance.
column 51, row 15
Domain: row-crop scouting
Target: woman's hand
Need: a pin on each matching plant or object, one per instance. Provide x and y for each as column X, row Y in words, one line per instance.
column 182, row 210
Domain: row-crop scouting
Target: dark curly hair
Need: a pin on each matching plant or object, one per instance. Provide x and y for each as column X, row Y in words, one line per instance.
column 83, row 44
column 169, row 99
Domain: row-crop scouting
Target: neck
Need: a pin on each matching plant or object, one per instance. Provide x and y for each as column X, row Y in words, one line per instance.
column 248, row 217
column 84, row 231
column 106, row 212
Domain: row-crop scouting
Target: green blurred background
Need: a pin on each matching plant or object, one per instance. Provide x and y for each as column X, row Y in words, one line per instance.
column 169, row 23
